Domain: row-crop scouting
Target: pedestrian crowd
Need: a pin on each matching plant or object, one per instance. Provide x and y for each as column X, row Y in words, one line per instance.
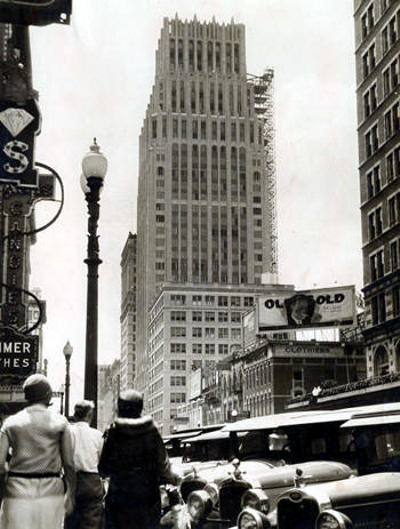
column 56, row 474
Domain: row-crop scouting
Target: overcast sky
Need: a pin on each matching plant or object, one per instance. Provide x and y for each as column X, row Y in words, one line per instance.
column 94, row 78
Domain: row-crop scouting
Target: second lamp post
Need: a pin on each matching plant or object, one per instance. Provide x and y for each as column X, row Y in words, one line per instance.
column 94, row 168
column 67, row 353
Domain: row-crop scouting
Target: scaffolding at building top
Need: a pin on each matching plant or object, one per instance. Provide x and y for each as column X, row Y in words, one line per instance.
column 264, row 107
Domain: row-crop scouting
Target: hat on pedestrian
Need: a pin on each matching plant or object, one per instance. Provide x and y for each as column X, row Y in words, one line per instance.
column 37, row 388
column 130, row 403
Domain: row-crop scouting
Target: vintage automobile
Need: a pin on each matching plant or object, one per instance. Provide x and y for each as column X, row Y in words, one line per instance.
column 207, row 453
column 312, row 448
column 371, row 501
column 375, row 439
column 174, row 443
column 375, row 434
column 201, row 475
column 220, row 505
column 268, row 451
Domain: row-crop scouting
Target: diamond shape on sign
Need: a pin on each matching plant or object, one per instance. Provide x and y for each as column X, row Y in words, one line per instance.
column 15, row 119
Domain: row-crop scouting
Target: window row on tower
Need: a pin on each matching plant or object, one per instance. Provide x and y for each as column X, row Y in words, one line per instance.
column 208, row 130
column 371, row 15
column 200, row 97
column 210, row 242
column 380, row 47
column 191, row 55
column 212, row 30
column 382, row 173
column 207, row 348
column 212, row 166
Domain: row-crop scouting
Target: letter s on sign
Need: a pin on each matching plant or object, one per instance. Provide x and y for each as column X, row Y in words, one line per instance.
column 11, row 152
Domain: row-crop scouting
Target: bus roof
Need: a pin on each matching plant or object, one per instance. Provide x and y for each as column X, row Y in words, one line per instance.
column 216, row 435
column 281, row 420
column 192, row 432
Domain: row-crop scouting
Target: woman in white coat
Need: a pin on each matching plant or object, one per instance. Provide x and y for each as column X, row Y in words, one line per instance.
column 40, row 441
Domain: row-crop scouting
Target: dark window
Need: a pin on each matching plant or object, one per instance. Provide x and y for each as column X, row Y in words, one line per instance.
column 378, row 220
column 370, row 187
column 199, row 55
column 394, row 255
column 382, row 306
column 191, row 55
column 180, row 53
column 377, row 179
column 374, row 100
column 368, row 144
column 172, row 53
column 367, row 106
column 389, row 167
column 396, row 300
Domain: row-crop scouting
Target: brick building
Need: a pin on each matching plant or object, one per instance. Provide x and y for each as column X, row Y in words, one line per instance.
column 377, row 41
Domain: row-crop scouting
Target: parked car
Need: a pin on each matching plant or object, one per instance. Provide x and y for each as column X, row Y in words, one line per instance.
column 206, row 454
column 375, row 439
column 252, row 484
column 371, row 501
column 273, row 452
column 264, row 451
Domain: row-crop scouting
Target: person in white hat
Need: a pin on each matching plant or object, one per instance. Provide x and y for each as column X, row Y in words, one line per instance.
column 41, row 447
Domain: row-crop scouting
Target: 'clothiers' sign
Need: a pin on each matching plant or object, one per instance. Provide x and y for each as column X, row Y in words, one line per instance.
column 326, row 307
column 18, row 353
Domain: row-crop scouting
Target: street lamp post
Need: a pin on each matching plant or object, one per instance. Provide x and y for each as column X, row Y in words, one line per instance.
column 62, row 392
column 67, row 353
column 94, row 168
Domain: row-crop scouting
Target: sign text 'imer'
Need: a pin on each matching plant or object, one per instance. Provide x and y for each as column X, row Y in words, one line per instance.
column 325, row 307
column 18, row 353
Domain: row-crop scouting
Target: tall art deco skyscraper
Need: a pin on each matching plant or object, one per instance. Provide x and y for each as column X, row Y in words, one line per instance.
column 206, row 202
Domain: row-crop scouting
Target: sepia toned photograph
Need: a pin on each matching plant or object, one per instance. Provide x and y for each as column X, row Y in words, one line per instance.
column 200, row 264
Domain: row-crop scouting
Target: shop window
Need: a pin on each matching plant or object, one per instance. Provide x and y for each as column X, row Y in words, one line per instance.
column 381, row 362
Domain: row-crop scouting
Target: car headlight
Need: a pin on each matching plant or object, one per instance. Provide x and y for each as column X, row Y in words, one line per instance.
column 251, row 519
column 199, row 504
column 212, row 491
column 257, row 499
column 331, row 519
column 164, row 498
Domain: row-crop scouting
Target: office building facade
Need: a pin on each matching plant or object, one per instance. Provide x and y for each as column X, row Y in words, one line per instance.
column 109, row 386
column 128, row 312
column 192, row 327
column 377, row 34
column 206, row 198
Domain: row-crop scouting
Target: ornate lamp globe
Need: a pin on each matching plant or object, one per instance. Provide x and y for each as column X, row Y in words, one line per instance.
column 67, row 350
column 94, row 165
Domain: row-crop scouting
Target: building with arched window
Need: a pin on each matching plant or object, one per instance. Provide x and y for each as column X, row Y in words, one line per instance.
column 377, row 34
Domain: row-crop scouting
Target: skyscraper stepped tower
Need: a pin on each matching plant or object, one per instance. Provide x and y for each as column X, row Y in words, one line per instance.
column 206, row 200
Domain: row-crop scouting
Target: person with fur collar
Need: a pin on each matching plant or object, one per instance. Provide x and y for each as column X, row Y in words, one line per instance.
column 135, row 459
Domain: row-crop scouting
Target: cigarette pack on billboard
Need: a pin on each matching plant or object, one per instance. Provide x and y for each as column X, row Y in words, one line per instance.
column 325, row 307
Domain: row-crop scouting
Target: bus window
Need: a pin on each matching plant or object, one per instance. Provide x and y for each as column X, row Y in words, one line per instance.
column 277, row 441
column 318, row 446
column 387, row 446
